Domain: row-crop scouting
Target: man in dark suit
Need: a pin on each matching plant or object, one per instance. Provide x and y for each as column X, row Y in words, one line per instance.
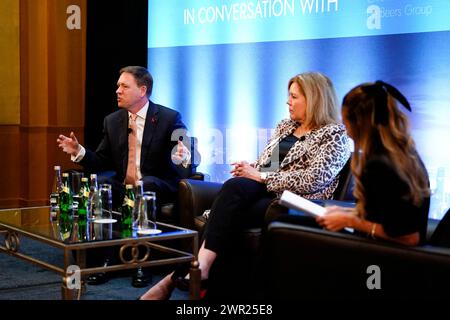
column 156, row 131
column 139, row 141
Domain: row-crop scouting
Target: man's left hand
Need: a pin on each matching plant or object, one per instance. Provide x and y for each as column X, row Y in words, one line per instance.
column 181, row 155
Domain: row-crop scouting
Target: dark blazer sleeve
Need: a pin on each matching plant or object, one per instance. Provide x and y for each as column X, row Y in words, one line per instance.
column 101, row 159
column 111, row 153
column 159, row 142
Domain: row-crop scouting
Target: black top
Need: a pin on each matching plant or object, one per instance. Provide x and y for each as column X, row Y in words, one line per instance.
column 283, row 148
column 286, row 145
column 387, row 202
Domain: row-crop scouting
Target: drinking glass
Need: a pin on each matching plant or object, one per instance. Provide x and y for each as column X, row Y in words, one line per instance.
column 107, row 231
column 95, row 231
column 145, row 220
column 106, row 200
column 76, row 182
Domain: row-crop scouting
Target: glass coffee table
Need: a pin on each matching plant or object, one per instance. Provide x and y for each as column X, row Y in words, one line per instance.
column 74, row 237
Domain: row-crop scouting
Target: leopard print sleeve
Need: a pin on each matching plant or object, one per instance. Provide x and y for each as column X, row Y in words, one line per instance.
column 315, row 164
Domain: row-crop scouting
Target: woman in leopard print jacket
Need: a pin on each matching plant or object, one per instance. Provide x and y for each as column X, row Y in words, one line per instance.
column 312, row 165
column 305, row 156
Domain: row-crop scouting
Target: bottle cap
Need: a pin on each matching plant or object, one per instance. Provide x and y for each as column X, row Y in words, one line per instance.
column 57, row 167
column 93, row 176
column 84, row 179
column 129, row 186
column 65, row 174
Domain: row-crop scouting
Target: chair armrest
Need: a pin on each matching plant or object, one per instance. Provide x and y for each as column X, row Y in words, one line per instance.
column 195, row 197
column 197, row 176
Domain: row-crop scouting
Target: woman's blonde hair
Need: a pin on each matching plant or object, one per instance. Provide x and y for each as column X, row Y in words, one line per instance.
column 321, row 99
column 376, row 124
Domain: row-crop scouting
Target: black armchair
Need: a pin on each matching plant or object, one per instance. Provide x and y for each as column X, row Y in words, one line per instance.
column 197, row 196
column 314, row 263
column 170, row 211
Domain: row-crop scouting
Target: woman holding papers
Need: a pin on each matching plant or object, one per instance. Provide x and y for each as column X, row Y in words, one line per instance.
column 392, row 188
column 305, row 156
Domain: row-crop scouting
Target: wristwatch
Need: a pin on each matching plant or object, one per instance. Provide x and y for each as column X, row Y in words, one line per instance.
column 263, row 176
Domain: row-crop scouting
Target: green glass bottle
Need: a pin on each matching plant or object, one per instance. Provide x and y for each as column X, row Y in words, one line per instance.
column 126, row 233
column 65, row 197
column 65, row 226
column 82, row 229
column 83, row 205
column 126, row 220
column 66, row 222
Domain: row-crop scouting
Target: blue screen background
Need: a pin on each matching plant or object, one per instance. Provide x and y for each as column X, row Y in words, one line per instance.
column 232, row 95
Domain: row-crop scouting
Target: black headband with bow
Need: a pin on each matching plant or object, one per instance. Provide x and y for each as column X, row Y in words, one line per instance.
column 381, row 90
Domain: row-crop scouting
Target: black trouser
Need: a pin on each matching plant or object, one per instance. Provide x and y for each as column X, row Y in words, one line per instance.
column 241, row 203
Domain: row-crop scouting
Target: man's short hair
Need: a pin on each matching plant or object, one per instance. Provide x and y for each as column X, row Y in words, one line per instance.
column 142, row 76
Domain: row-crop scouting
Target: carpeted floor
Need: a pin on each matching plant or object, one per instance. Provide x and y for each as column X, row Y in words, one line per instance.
column 21, row 280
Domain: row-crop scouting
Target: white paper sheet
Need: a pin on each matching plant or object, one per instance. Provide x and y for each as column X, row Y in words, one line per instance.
column 294, row 201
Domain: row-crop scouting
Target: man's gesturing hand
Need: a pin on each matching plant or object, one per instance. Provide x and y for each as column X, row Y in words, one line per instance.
column 69, row 145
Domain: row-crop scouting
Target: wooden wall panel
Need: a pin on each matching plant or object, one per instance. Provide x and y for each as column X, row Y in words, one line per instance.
column 37, row 62
column 9, row 63
column 10, row 146
column 52, row 81
column 71, row 48
column 37, row 166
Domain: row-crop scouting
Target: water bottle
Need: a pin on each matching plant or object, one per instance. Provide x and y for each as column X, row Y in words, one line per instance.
column 54, row 195
column 57, row 182
column 95, row 201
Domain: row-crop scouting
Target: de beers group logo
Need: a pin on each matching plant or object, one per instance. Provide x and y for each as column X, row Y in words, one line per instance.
column 404, row 12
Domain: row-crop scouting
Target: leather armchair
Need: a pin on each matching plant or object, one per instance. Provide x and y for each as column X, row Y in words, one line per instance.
column 170, row 212
column 197, row 196
column 239, row 268
column 303, row 262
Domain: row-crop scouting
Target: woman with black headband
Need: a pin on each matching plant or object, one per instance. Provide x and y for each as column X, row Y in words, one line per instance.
column 391, row 182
